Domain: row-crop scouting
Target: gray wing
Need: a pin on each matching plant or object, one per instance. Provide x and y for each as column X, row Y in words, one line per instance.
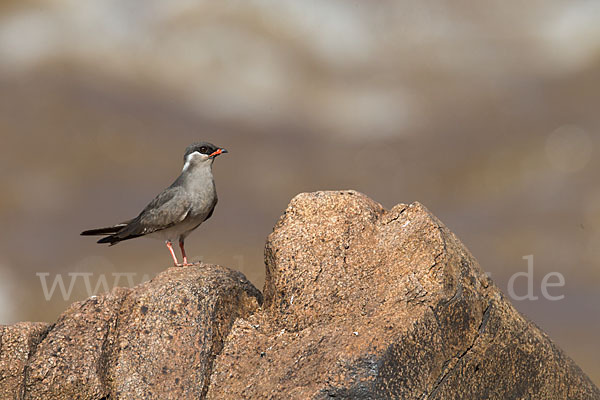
column 167, row 209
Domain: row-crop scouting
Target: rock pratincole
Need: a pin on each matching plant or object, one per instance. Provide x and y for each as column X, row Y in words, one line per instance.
column 176, row 211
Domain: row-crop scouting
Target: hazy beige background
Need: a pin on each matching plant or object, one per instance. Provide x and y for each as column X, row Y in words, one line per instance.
column 485, row 112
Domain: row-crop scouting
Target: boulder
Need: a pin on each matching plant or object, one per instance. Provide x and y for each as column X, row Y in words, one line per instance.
column 364, row 303
column 359, row 303
column 155, row 341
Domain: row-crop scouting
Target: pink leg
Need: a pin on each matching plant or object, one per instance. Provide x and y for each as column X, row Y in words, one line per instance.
column 185, row 262
column 170, row 246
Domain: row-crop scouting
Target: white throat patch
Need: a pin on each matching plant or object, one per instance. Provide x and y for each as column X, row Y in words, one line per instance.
column 191, row 156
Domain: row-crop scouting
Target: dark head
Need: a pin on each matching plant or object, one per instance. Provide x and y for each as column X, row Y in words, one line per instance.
column 202, row 153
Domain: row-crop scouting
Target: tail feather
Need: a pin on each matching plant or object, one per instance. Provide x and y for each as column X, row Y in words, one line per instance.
column 111, row 240
column 103, row 231
column 114, row 234
column 114, row 239
column 109, row 230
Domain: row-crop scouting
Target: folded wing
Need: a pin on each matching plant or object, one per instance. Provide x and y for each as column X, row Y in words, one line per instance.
column 167, row 209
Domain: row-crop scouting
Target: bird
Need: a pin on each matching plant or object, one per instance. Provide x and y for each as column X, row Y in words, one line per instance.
column 176, row 211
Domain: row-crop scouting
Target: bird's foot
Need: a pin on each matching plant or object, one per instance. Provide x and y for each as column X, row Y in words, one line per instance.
column 186, row 264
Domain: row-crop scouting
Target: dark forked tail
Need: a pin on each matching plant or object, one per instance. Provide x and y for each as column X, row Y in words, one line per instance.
column 111, row 231
column 114, row 234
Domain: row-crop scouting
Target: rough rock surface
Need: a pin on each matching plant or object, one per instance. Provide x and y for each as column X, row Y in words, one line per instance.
column 365, row 303
column 360, row 303
column 17, row 343
column 155, row 341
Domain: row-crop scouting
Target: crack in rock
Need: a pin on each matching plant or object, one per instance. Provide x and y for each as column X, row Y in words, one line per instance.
column 440, row 381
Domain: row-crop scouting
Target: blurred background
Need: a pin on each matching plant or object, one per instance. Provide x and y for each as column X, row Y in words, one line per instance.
column 486, row 112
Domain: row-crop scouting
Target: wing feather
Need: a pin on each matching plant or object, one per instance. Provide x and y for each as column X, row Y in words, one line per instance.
column 165, row 210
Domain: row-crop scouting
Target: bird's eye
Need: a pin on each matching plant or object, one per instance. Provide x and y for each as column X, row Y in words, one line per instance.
column 203, row 149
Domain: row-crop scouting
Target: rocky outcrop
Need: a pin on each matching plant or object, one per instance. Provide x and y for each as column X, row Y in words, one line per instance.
column 360, row 302
column 155, row 341
column 365, row 303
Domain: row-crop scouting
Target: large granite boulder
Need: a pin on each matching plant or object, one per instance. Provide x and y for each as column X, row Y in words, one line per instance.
column 364, row 303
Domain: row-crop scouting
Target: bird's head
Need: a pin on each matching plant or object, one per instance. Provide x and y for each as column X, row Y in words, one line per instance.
column 202, row 153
